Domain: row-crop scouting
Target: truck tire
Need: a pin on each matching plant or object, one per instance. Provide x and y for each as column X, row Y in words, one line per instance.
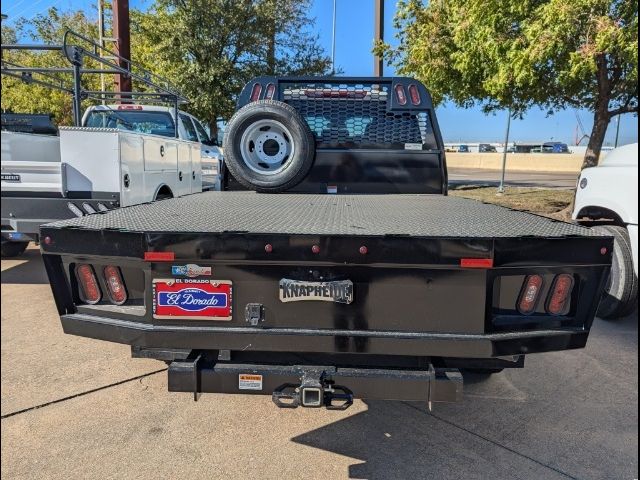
column 13, row 249
column 268, row 146
column 621, row 293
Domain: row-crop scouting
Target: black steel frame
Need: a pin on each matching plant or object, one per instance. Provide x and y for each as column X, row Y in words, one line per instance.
column 76, row 48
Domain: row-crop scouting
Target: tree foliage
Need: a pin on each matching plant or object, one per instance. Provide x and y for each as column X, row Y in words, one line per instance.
column 515, row 54
column 208, row 48
column 45, row 28
column 211, row 48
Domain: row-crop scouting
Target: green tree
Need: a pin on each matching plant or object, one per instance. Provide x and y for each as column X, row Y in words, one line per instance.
column 516, row 54
column 45, row 28
column 211, row 48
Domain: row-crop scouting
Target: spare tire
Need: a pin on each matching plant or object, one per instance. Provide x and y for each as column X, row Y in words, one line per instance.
column 268, row 146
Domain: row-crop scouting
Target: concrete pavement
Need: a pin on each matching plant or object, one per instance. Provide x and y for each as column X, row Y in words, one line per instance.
column 565, row 415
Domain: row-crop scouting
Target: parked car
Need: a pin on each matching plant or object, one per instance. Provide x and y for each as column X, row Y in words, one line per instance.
column 486, row 148
column 189, row 128
column 115, row 155
column 554, row 147
column 121, row 155
column 607, row 199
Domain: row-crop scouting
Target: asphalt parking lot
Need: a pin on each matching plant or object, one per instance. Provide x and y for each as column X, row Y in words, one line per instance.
column 491, row 178
column 79, row 408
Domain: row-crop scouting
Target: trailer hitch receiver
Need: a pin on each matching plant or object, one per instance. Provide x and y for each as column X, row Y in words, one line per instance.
column 314, row 391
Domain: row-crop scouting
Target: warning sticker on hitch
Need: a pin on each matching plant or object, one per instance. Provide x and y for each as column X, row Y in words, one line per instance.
column 248, row 381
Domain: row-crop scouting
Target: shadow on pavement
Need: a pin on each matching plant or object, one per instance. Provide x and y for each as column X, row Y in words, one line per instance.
column 403, row 440
column 28, row 269
column 521, row 424
column 388, row 449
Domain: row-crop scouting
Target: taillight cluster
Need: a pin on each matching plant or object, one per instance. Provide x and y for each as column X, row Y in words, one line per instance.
column 401, row 94
column 558, row 298
column 89, row 287
column 256, row 91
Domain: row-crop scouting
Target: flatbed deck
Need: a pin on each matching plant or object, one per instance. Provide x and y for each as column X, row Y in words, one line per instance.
column 432, row 216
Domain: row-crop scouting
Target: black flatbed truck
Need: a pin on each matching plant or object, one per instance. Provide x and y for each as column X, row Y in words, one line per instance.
column 319, row 298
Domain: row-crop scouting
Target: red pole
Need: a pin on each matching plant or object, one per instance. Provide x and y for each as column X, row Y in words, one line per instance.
column 123, row 41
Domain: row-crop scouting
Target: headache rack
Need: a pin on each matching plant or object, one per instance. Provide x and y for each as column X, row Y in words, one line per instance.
column 81, row 56
column 344, row 112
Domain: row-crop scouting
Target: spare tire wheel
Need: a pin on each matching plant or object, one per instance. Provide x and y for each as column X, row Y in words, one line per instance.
column 268, row 146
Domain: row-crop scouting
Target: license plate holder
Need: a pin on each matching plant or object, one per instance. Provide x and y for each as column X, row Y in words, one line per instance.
column 192, row 299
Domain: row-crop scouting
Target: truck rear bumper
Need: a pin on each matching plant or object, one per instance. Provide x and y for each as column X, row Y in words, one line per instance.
column 25, row 214
column 323, row 340
column 312, row 385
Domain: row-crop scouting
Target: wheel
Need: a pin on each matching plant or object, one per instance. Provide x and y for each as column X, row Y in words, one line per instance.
column 621, row 293
column 163, row 194
column 13, row 249
column 269, row 146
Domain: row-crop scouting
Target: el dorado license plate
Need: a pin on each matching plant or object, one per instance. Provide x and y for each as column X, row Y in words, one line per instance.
column 192, row 299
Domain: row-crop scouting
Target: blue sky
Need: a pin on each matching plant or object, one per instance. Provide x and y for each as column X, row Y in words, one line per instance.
column 354, row 37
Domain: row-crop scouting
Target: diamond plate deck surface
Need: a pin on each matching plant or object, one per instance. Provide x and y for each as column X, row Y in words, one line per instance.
column 365, row 215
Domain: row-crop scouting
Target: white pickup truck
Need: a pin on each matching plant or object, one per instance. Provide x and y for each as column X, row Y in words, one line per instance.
column 607, row 199
column 122, row 155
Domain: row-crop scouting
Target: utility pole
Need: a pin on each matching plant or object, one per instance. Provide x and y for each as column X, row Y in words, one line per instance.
column 504, row 153
column 617, row 132
column 122, row 35
column 333, row 41
column 378, row 29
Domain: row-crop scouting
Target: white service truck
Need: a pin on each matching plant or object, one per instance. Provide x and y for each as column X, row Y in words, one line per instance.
column 122, row 155
column 607, row 199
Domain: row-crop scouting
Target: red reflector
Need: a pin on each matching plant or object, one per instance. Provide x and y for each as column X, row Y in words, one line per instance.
column 115, row 285
column 414, row 94
column 401, row 95
column 159, row 256
column 255, row 92
column 89, row 288
column 271, row 89
column 476, row 262
column 530, row 293
column 558, row 303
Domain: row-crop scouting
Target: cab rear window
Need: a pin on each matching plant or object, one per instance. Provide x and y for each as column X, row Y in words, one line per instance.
column 154, row 123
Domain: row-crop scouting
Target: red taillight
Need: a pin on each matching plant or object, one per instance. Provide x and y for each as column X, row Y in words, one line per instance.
column 530, row 293
column 129, row 107
column 255, row 92
column 115, row 285
column 89, row 288
column 414, row 94
column 271, row 89
column 401, row 94
column 559, row 300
